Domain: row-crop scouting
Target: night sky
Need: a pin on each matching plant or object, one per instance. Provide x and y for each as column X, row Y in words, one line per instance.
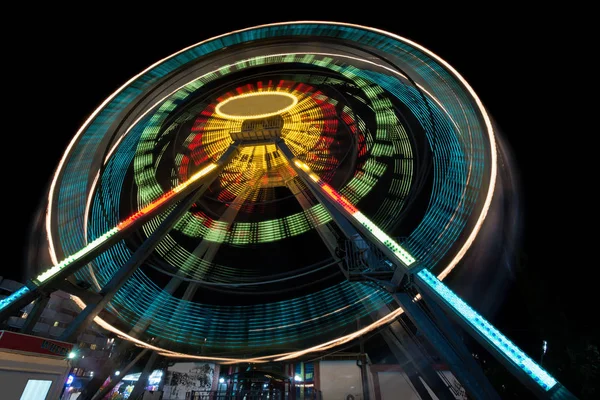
column 60, row 67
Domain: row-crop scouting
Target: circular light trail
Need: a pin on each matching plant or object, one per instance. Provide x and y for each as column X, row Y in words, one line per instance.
column 343, row 122
column 256, row 105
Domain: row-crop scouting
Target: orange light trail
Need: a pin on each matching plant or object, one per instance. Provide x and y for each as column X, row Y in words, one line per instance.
column 165, row 197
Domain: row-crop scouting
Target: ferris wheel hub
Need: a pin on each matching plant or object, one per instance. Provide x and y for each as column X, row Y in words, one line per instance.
column 259, row 131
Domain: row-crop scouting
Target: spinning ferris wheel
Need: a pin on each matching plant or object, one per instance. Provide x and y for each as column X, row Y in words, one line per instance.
column 254, row 194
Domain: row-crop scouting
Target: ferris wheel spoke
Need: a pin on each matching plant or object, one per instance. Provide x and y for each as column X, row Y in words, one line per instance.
column 401, row 258
column 483, row 331
column 199, row 181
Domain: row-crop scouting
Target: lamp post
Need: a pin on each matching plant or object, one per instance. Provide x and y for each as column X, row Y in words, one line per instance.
column 544, row 348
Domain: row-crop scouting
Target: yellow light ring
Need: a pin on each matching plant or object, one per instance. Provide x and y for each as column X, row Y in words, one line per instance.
column 220, row 113
column 302, row 129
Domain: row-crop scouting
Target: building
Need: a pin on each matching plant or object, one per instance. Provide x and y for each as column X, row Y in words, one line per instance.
column 93, row 345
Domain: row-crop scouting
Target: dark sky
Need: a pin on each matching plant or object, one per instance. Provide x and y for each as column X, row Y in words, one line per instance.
column 59, row 66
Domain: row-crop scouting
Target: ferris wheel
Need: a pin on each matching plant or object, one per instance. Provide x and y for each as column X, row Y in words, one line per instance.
column 252, row 195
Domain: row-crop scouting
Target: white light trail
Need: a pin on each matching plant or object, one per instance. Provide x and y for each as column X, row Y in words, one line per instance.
column 388, row 318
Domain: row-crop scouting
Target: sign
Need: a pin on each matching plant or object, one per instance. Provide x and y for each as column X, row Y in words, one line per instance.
column 34, row 344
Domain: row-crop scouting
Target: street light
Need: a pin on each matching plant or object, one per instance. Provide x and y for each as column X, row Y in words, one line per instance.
column 544, row 348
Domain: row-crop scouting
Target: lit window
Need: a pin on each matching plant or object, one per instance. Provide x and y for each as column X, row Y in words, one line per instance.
column 93, row 347
column 36, row 389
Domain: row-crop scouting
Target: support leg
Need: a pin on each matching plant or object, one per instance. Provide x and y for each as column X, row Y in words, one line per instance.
column 122, row 275
column 435, row 337
column 36, row 313
column 112, row 364
column 461, row 350
column 142, row 382
column 397, row 338
column 116, row 379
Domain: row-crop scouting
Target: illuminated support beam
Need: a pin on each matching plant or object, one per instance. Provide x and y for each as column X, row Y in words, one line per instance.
column 477, row 388
column 106, row 369
column 146, row 248
column 15, row 301
column 344, row 216
column 509, row 355
column 72, row 263
column 126, row 271
column 530, row 373
column 401, row 345
column 392, row 250
column 146, row 319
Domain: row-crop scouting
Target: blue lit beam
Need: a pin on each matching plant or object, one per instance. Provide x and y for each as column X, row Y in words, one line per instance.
column 520, row 364
column 503, row 349
column 476, row 384
column 17, row 299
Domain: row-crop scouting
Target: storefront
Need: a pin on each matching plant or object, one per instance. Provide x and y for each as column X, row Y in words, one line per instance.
column 32, row 367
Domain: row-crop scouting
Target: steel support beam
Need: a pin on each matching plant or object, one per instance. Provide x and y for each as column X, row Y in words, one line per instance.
column 425, row 325
column 409, row 270
column 349, row 224
column 147, row 247
column 114, row 380
column 22, row 297
column 395, row 336
column 444, row 324
column 95, row 383
column 142, row 382
column 126, row 271
column 36, row 312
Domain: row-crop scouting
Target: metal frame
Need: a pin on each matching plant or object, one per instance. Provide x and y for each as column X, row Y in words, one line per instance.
column 539, row 381
column 406, row 277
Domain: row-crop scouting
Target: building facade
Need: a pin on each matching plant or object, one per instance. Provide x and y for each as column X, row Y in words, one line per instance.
column 94, row 346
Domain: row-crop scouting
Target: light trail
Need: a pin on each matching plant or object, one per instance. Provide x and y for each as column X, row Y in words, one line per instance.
column 401, row 254
column 342, row 339
column 473, row 319
column 245, row 96
column 148, row 209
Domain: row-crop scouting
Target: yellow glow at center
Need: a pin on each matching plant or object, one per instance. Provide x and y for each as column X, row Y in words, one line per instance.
column 256, row 105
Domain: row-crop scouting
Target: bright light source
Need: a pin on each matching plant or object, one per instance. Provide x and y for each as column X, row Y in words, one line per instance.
column 297, row 378
column 493, row 335
column 255, row 105
column 545, row 346
column 72, row 355
column 117, row 373
column 221, row 380
column 70, row 380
